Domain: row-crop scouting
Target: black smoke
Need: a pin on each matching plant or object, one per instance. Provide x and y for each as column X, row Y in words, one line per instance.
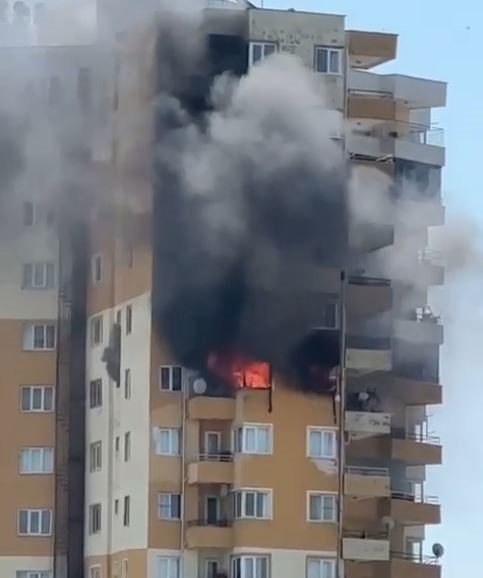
column 249, row 205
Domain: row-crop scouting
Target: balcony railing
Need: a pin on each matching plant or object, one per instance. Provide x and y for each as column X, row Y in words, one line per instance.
column 204, row 522
column 369, row 281
column 415, row 558
column 221, row 457
column 367, row 471
column 432, row 500
column 407, row 131
column 422, row 438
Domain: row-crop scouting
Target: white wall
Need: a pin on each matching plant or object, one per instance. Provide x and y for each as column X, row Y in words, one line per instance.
column 116, row 417
column 9, row 565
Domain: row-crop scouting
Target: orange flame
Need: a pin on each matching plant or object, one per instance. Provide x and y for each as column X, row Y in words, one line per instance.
column 239, row 370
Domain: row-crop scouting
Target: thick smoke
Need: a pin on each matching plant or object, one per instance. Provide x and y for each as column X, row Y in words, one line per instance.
column 249, row 205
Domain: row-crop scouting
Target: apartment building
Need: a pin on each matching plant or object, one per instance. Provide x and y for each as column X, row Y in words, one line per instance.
column 133, row 463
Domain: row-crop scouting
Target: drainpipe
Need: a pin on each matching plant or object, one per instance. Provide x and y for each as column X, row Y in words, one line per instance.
column 183, row 476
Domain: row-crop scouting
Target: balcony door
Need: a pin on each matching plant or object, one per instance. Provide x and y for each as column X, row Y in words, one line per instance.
column 212, row 510
column 212, row 444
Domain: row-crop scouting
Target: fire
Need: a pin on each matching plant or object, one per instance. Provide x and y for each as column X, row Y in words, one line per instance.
column 240, row 371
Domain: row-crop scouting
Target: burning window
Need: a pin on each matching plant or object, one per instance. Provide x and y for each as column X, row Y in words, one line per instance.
column 240, row 371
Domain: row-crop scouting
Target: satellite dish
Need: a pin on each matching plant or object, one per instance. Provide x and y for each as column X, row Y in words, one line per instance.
column 438, row 550
column 388, row 523
column 200, row 386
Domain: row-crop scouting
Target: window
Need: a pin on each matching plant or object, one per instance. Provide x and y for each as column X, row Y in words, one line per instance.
column 321, row 443
column 260, row 50
column 36, row 461
column 170, row 378
column 36, row 398
column 127, row 446
column 127, row 384
column 124, row 571
column 320, row 568
column 253, row 439
column 33, row 574
column 95, row 519
column 95, row 572
column 127, row 511
column 38, row 276
column 212, row 568
column 328, row 60
column 96, row 269
column 250, row 567
column 169, row 506
column 331, row 320
column 128, row 319
column 117, row 444
column 253, row 504
column 96, row 330
column 168, row 567
column 95, row 393
column 29, row 214
column 95, row 457
column 168, row 442
column 321, row 507
column 39, row 337
column 35, row 522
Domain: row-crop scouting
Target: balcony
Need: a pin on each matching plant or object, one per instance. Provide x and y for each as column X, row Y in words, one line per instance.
column 211, row 469
column 362, row 482
column 373, row 106
column 367, row 422
column 368, row 354
column 368, row 49
column 427, row 330
column 415, row 92
column 397, row 140
column 400, row 566
column 409, row 510
column 428, row 213
column 431, row 268
column 412, row 389
column 206, row 407
column 410, row 449
column 204, row 534
column 368, row 296
column 362, row 549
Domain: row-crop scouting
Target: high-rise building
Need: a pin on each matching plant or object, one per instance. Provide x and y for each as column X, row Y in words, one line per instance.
column 116, row 454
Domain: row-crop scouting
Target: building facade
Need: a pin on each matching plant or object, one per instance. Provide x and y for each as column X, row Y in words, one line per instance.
column 121, row 458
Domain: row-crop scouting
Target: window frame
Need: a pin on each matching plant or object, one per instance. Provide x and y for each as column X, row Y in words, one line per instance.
column 33, row 574
column 28, row 341
column 249, row 426
column 39, row 511
column 95, row 515
column 263, row 44
column 321, row 560
column 47, row 274
column 96, row 325
column 126, row 512
column 95, row 456
column 127, row 383
column 170, row 560
column 127, row 447
column 267, row 492
column 171, row 431
column 322, row 495
column 339, row 50
column 95, row 571
column 129, row 319
column 43, row 451
column 96, row 268
column 171, row 379
column 208, row 561
column 173, row 507
column 96, row 387
column 43, row 389
column 254, row 557
column 321, row 430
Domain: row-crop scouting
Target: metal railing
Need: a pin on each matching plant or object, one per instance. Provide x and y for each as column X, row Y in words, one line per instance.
column 406, row 131
column 367, row 471
column 371, row 281
column 433, row 500
column 220, row 457
column 204, row 522
column 431, row 256
column 417, row 437
column 415, row 558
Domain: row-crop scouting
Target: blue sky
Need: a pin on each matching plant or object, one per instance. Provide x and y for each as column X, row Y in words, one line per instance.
column 444, row 40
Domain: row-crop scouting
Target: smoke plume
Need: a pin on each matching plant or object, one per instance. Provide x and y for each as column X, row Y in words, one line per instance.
column 249, row 205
